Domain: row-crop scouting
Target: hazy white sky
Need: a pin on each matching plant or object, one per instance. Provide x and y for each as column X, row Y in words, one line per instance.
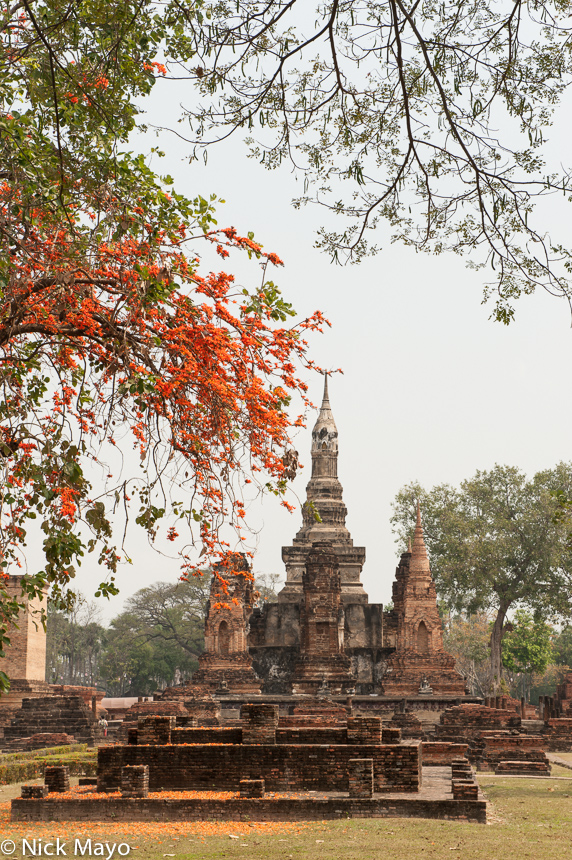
column 432, row 389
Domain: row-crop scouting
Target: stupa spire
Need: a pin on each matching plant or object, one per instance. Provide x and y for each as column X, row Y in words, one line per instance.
column 325, row 432
column 324, row 514
column 419, row 559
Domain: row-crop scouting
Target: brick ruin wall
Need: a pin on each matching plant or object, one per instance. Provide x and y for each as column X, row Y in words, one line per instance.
column 558, row 734
column 466, row 722
column 52, row 715
column 26, row 655
column 284, row 767
column 242, row 809
column 289, row 735
column 442, row 754
column 493, row 748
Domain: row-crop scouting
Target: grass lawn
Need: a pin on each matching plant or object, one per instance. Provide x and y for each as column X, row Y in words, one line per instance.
column 528, row 818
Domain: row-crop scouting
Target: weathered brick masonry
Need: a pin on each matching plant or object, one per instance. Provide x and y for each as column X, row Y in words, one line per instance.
column 524, row 768
column 492, row 748
column 289, row 735
column 397, row 767
column 242, row 809
column 558, row 734
column 466, row 722
column 52, row 714
column 437, row 753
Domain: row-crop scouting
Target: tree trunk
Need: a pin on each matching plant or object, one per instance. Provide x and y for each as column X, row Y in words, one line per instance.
column 496, row 645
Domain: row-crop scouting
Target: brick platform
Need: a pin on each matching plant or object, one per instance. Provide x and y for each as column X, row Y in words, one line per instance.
column 523, row 768
column 53, row 715
column 466, row 722
column 434, row 800
column 492, row 748
column 442, row 753
column 42, row 740
column 558, row 734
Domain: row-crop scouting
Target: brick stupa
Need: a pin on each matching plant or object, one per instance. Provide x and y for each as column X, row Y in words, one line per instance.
column 226, row 663
column 419, row 660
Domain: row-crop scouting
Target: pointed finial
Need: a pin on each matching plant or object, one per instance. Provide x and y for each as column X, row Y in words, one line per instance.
column 419, row 558
column 409, row 544
column 326, row 397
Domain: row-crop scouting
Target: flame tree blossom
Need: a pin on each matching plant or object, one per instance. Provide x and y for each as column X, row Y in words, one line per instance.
column 111, row 336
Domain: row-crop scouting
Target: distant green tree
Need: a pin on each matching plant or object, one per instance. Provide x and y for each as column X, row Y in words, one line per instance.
column 74, row 641
column 266, row 585
column 563, row 647
column 467, row 638
column 496, row 543
column 526, row 649
column 157, row 639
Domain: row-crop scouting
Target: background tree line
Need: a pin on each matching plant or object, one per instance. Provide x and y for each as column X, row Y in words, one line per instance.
column 535, row 654
column 154, row 642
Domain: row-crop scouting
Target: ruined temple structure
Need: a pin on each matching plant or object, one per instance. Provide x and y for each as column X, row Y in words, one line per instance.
column 321, row 660
column 267, row 767
column 321, row 639
column 322, row 632
column 419, row 649
column 33, row 708
column 25, row 658
column 226, row 663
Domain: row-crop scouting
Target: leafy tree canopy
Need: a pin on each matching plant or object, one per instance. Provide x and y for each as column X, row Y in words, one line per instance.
column 527, row 644
column 495, row 544
column 111, row 338
column 563, row 646
column 74, row 643
column 429, row 116
column 467, row 638
column 157, row 638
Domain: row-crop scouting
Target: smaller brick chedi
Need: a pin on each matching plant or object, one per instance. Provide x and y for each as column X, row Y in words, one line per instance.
column 226, row 661
column 419, row 651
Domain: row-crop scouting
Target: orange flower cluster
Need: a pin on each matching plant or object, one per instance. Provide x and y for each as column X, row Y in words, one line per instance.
column 135, row 337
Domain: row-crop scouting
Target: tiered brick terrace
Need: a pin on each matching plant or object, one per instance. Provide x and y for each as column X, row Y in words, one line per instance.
column 293, row 780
